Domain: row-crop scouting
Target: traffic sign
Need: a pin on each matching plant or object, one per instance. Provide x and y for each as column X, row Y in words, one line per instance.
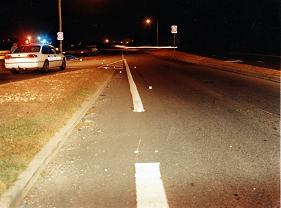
column 60, row 35
column 174, row 29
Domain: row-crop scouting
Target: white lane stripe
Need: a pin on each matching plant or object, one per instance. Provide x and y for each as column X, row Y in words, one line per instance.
column 150, row 188
column 138, row 106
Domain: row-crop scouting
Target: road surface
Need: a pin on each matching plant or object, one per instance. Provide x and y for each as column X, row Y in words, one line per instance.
column 206, row 138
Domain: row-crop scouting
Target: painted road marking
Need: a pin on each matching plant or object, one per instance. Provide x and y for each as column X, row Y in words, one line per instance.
column 150, row 188
column 138, row 106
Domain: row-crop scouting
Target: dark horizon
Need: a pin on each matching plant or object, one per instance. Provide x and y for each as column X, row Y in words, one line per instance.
column 217, row 26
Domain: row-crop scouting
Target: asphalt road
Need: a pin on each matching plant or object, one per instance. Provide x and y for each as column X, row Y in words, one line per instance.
column 207, row 138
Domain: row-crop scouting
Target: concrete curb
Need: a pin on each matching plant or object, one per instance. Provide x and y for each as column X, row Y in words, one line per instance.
column 244, row 69
column 14, row 195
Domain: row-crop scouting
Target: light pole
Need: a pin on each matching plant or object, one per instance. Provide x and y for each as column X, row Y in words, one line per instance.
column 60, row 22
column 157, row 31
column 148, row 22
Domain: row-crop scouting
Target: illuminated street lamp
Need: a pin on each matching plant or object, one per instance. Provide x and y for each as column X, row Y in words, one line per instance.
column 148, row 22
column 106, row 40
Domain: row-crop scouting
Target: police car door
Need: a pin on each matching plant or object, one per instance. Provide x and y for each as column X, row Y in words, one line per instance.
column 46, row 50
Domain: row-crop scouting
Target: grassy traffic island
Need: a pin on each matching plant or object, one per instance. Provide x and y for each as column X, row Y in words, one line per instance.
column 33, row 110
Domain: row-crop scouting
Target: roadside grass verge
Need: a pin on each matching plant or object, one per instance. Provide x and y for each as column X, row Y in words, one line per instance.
column 32, row 111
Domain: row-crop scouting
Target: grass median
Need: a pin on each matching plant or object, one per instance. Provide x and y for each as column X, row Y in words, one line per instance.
column 33, row 110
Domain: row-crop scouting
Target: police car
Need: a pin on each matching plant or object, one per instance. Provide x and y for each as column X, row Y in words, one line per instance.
column 35, row 56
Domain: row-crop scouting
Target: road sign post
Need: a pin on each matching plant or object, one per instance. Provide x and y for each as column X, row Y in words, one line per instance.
column 60, row 24
column 174, row 41
column 174, row 31
column 60, row 38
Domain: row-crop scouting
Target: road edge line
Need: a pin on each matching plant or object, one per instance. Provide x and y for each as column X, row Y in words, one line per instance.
column 14, row 195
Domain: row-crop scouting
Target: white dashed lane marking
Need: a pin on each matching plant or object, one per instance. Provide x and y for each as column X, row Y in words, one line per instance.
column 149, row 186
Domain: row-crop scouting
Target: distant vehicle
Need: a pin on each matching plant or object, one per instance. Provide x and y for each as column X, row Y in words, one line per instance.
column 83, row 51
column 92, row 49
column 34, row 56
column 70, row 57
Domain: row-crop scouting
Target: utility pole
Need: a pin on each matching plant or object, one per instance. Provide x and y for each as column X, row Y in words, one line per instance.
column 60, row 22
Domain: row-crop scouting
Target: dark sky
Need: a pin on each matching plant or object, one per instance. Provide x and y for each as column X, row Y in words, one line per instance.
column 203, row 24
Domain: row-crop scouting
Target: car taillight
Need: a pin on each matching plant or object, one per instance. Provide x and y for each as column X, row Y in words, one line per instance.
column 8, row 57
column 31, row 56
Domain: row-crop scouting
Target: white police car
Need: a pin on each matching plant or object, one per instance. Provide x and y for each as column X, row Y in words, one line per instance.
column 34, row 56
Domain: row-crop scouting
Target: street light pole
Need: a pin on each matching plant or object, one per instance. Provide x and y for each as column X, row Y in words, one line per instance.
column 148, row 22
column 157, row 39
column 60, row 22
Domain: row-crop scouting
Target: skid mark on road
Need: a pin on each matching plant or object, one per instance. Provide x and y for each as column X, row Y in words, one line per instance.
column 138, row 148
column 113, row 65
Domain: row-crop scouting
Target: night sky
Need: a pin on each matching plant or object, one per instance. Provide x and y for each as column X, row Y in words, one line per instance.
column 204, row 25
